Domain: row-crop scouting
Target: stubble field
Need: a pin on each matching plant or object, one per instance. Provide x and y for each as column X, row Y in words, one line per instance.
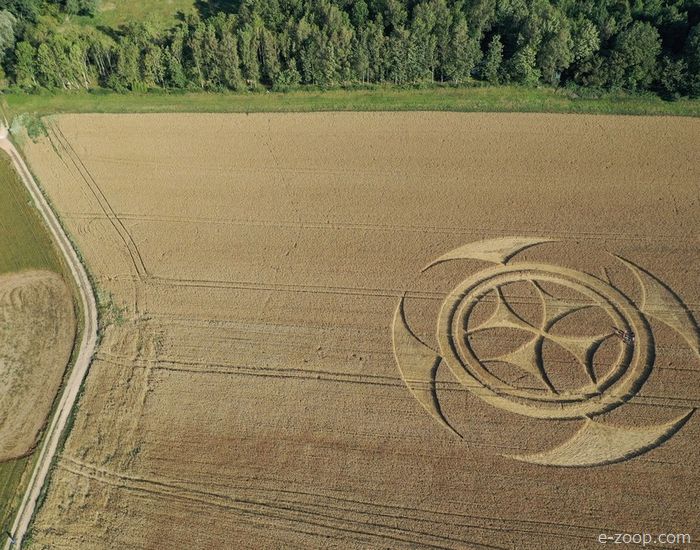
column 286, row 372
column 37, row 327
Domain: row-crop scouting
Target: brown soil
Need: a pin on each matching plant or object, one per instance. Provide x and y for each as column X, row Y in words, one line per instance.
column 252, row 398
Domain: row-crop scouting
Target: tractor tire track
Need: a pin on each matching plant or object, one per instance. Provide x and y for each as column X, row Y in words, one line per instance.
column 268, row 511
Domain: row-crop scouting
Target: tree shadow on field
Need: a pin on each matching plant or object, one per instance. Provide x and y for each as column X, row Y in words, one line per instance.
column 113, row 33
column 208, row 8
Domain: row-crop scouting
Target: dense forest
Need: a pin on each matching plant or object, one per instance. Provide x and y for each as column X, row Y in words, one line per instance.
column 632, row 45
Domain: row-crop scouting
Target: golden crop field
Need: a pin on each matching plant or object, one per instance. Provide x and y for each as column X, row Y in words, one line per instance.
column 386, row 330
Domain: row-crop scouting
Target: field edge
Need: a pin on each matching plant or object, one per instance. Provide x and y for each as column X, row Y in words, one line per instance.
column 440, row 98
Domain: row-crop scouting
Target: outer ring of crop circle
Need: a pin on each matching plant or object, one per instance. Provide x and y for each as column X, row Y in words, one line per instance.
column 623, row 382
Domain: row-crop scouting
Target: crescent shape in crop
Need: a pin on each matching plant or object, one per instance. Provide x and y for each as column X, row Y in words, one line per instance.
column 597, row 444
column 498, row 251
column 418, row 365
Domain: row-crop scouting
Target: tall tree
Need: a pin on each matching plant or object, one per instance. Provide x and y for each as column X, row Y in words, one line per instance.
column 523, row 66
column 25, row 66
column 360, row 14
column 398, row 58
column 270, row 63
column 442, row 29
column 47, row 69
column 211, row 63
column 634, row 57
column 491, row 70
column 173, row 63
column 153, row 66
column 100, row 50
column 196, row 69
column 230, row 63
column 7, row 32
column 692, row 59
column 79, row 70
column 585, row 40
column 673, row 77
column 462, row 54
column 360, row 57
column 555, row 52
column 249, row 46
column 423, row 42
column 395, row 15
column 127, row 73
column 376, row 50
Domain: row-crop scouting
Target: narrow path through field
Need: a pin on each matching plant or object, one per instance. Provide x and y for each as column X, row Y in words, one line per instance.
column 85, row 352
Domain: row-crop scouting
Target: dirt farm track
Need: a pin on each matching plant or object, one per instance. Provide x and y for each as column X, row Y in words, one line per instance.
column 406, row 330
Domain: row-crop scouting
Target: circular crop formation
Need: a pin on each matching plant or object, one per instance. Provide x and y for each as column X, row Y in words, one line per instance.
column 620, row 381
column 579, row 313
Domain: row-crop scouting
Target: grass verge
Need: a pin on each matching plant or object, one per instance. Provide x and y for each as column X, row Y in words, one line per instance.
column 24, row 242
column 440, row 98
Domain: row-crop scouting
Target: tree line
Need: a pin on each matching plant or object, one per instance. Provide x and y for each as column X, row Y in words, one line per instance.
column 634, row 45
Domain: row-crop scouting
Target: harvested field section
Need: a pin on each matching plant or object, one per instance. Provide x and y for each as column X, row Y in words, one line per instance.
column 253, row 391
column 37, row 328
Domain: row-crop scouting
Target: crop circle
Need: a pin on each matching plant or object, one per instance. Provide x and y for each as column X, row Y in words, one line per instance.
column 620, row 382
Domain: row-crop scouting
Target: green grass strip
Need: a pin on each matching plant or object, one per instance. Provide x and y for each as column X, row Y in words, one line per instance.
column 465, row 99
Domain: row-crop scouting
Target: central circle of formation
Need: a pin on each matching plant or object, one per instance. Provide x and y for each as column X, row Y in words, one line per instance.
column 614, row 388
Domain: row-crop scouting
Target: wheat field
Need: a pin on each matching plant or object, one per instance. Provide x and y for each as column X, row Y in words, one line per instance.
column 386, row 330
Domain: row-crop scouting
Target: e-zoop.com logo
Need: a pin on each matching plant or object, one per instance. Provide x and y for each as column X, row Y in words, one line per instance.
column 483, row 338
